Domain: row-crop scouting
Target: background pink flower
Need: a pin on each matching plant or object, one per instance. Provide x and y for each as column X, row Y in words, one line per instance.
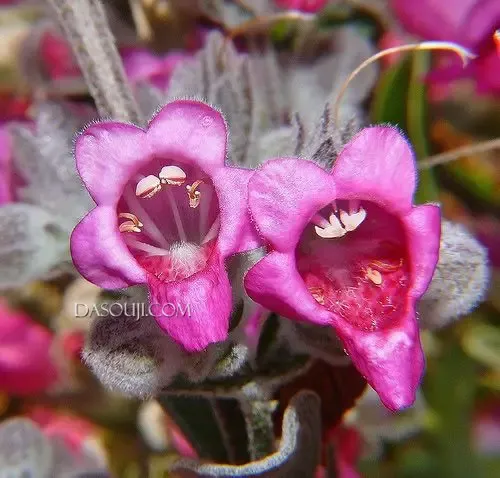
column 26, row 366
column 470, row 23
column 142, row 65
column 308, row 6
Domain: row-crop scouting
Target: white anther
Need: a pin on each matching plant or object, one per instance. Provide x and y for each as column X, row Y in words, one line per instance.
column 172, row 175
column 352, row 221
column 148, row 187
column 334, row 229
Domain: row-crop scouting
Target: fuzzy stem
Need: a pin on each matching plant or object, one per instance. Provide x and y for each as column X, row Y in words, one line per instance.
column 259, row 422
column 87, row 30
column 458, row 153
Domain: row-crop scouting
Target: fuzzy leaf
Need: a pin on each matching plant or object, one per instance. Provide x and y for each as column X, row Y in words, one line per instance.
column 298, row 453
column 461, row 278
column 31, row 243
column 44, row 158
column 24, row 450
column 377, row 423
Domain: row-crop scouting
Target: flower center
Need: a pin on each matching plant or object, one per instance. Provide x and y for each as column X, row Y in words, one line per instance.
column 169, row 219
column 354, row 264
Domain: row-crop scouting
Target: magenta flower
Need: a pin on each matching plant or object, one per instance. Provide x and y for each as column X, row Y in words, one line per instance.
column 26, row 366
column 349, row 249
column 141, row 65
column 169, row 212
column 308, row 6
column 470, row 23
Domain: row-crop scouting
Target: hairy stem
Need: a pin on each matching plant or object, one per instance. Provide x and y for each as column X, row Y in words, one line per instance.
column 87, row 30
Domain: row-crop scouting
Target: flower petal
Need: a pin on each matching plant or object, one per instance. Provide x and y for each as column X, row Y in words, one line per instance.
column 195, row 311
column 284, row 195
column 107, row 154
column 231, row 185
column 423, row 231
column 99, row 253
column 392, row 360
column 190, row 131
column 275, row 283
column 377, row 165
column 434, row 20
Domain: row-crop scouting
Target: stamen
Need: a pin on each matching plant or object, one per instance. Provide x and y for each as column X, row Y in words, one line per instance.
column 496, row 39
column 128, row 226
column 373, row 275
column 353, row 206
column 333, row 229
column 151, row 250
column 386, row 267
column 152, row 229
column 464, row 54
column 320, row 221
column 334, row 205
column 148, row 187
column 352, row 221
column 318, row 294
column 131, row 217
column 204, row 212
column 172, row 175
column 177, row 216
column 193, row 194
column 212, row 233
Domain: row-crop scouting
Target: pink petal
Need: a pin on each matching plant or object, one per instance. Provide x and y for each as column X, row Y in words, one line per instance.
column 377, row 165
column 99, row 253
column 434, row 20
column 191, row 132
column 284, row 195
column 231, row 185
column 308, row 6
column 275, row 283
column 195, row 311
column 481, row 20
column 423, row 230
column 140, row 63
column 107, row 154
column 26, row 366
column 391, row 360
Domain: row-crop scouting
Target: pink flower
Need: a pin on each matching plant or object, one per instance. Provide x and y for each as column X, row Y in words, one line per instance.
column 486, row 429
column 349, row 249
column 26, row 366
column 308, row 6
column 470, row 23
column 169, row 212
column 71, row 430
column 141, row 65
column 57, row 56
